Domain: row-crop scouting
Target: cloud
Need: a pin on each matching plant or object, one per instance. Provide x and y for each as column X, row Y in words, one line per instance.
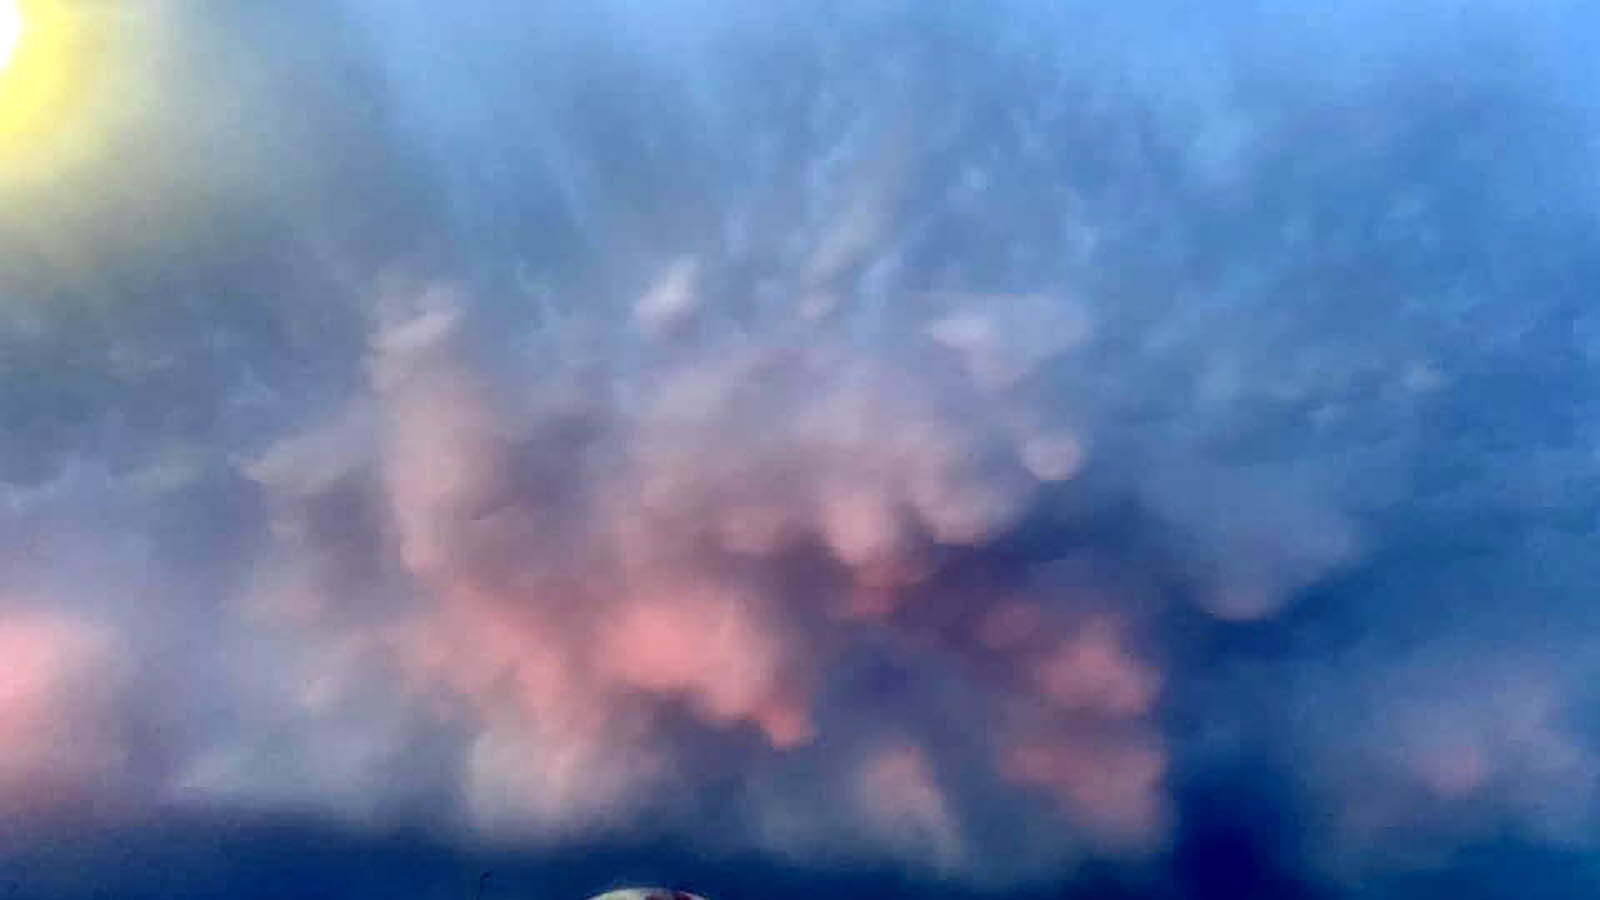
column 901, row 796
column 59, row 739
column 879, row 437
column 591, row 575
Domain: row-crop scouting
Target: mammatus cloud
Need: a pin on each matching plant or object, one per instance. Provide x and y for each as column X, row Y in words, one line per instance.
column 718, row 548
column 949, row 455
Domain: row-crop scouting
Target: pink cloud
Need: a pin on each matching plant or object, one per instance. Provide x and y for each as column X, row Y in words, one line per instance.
column 570, row 640
column 57, row 683
column 1113, row 785
column 711, row 646
column 1092, row 671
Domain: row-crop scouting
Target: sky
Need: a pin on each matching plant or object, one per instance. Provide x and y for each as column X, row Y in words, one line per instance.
column 872, row 449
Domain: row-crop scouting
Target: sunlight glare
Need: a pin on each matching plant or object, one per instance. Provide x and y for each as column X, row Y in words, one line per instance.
column 10, row 31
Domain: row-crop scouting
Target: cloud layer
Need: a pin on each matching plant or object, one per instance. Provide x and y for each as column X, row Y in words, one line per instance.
column 850, row 434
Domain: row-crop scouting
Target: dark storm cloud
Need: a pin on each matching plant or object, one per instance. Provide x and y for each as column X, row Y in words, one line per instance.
column 984, row 444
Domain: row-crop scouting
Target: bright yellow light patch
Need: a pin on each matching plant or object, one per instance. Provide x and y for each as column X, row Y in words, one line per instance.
column 10, row 31
column 55, row 56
